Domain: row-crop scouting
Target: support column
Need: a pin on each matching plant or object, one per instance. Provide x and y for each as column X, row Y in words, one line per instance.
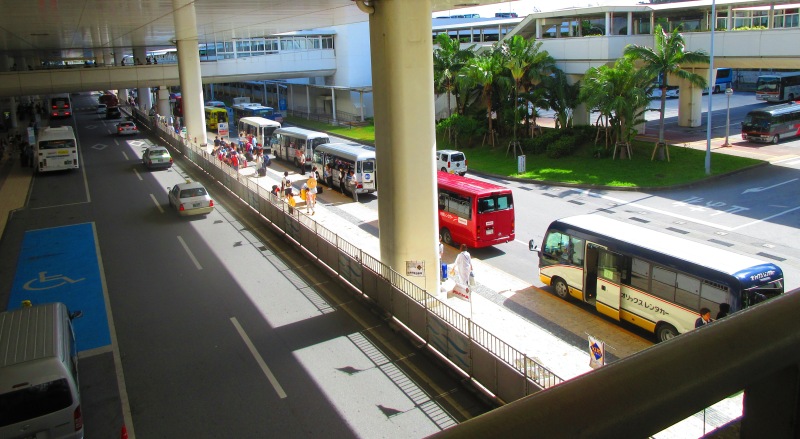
column 581, row 114
column 333, row 103
column 729, row 20
column 539, row 28
column 143, row 94
column 308, row 100
column 690, row 110
column 189, row 70
column 609, row 31
column 163, row 102
column 630, row 23
column 401, row 47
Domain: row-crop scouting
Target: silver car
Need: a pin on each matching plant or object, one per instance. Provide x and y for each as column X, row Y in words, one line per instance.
column 190, row 198
column 157, row 157
column 127, row 127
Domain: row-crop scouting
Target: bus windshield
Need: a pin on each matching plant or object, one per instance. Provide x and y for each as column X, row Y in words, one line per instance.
column 56, row 144
column 768, row 83
column 495, row 203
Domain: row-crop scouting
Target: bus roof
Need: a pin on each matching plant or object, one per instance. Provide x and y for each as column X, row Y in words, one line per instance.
column 681, row 248
column 56, row 132
column 352, row 150
column 260, row 121
column 775, row 110
column 468, row 185
column 300, row 132
column 218, row 109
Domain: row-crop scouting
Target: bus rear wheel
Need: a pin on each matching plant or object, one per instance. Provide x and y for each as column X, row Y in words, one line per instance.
column 665, row 331
column 561, row 289
column 775, row 139
column 447, row 238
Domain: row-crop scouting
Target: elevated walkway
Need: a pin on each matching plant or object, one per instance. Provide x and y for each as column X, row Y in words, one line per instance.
column 282, row 65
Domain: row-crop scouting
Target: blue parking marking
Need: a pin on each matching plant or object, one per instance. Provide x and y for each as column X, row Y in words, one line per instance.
column 60, row 264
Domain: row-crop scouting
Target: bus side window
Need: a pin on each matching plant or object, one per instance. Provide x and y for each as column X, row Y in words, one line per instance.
column 712, row 294
column 640, row 274
column 664, row 283
column 688, row 292
column 576, row 249
column 442, row 201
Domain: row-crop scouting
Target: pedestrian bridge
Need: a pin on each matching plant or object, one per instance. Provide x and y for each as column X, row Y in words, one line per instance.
column 281, row 65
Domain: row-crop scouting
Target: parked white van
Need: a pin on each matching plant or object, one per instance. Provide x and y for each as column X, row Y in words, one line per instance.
column 39, row 391
column 450, row 161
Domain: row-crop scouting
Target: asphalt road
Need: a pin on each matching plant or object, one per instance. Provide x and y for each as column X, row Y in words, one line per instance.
column 221, row 328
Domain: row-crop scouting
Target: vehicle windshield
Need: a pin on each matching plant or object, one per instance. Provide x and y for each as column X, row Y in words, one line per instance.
column 768, row 84
column 159, row 154
column 56, row 144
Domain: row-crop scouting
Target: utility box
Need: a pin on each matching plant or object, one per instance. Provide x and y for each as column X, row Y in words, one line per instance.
column 521, row 165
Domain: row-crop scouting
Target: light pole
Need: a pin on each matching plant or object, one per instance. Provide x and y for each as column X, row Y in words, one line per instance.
column 728, row 93
column 710, row 86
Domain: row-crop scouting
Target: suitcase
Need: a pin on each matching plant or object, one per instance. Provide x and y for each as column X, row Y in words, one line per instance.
column 249, row 157
column 262, row 172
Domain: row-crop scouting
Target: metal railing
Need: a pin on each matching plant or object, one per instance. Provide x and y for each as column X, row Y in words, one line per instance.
column 497, row 367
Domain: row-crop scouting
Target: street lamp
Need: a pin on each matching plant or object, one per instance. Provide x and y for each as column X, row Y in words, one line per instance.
column 728, row 93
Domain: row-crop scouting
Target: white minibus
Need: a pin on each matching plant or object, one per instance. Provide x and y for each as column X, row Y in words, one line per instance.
column 342, row 157
column 39, row 390
column 260, row 128
column 289, row 143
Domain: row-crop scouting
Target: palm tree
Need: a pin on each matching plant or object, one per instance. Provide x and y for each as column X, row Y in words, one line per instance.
column 665, row 59
column 448, row 60
column 483, row 71
column 561, row 97
column 525, row 61
column 619, row 93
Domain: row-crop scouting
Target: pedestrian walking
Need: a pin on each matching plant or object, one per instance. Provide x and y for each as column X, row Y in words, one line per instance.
column 311, row 195
column 442, row 265
column 286, row 184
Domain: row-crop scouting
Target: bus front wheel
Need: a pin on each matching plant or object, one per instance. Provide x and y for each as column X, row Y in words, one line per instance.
column 561, row 289
column 447, row 238
column 665, row 331
column 775, row 139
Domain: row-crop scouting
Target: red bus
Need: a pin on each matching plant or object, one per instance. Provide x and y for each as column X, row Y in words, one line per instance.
column 474, row 212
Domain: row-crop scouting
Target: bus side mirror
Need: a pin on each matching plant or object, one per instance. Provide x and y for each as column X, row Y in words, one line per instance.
column 532, row 246
column 75, row 315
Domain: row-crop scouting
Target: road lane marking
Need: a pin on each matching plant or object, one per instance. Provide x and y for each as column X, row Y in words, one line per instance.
column 158, row 205
column 261, row 363
column 124, row 155
column 189, row 252
column 139, row 176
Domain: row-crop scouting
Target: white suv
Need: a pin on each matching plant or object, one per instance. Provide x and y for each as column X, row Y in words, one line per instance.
column 453, row 162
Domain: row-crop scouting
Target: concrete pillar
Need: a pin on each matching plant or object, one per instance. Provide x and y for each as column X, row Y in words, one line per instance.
column 690, row 109
column 539, row 28
column 143, row 94
column 189, row 70
column 771, row 16
column 652, row 22
column 164, row 108
column 333, row 103
column 609, row 31
column 581, row 114
column 729, row 21
column 13, row 102
column 401, row 47
column 630, row 23
column 308, row 100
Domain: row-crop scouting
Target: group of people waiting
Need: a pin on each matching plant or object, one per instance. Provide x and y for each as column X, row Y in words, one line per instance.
column 238, row 155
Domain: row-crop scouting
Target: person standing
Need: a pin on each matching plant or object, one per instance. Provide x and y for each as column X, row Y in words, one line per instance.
column 442, row 265
column 704, row 319
column 311, row 195
column 301, row 161
column 463, row 268
column 286, row 184
column 724, row 309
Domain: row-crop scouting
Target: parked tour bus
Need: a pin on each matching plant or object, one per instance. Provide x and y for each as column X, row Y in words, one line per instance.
column 474, row 212
column 60, row 105
column 778, row 87
column 215, row 115
column 260, row 128
column 771, row 124
column 289, row 143
column 252, row 109
column 656, row 281
column 56, row 149
column 345, row 156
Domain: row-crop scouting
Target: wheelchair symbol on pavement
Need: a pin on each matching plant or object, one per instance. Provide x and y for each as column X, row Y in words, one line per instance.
column 45, row 282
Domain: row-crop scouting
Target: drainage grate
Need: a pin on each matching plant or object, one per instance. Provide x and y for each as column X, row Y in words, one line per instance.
column 579, row 203
column 682, row 232
column 717, row 241
column 550, row 195
column 641, row 220
column 767, row 255
column 524, row 188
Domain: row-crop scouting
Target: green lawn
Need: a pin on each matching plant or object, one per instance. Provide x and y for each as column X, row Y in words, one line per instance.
column 686, row 165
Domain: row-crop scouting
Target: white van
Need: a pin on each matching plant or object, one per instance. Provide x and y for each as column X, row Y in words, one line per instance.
column 452, row 162
column 39, row 393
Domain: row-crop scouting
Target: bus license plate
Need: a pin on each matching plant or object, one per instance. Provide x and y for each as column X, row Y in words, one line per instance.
column 490, row 230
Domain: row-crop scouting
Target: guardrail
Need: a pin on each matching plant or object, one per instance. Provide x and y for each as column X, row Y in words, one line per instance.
column 494, row 366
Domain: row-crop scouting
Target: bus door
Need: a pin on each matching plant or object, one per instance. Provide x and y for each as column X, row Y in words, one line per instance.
column 609, row 269
column 367, row 177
